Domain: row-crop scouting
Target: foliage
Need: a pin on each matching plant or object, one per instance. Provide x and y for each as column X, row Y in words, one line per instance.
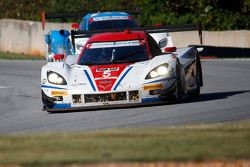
column 15, row 56
column 214, row 14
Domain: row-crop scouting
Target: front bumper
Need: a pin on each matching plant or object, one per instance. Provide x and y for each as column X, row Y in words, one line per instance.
column 67, row 108
column 68, row 100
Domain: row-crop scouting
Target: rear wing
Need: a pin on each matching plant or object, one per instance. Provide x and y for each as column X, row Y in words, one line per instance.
column 153, row 29
column 80, row 14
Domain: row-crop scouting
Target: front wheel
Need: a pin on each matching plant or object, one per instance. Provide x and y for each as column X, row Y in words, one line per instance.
column 178, row 90
column 198, row 79
column 198, row 86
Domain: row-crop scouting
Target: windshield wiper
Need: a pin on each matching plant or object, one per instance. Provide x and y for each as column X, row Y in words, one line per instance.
column 113, row 55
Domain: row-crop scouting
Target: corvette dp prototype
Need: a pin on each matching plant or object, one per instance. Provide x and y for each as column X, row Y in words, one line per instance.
column 120, row 69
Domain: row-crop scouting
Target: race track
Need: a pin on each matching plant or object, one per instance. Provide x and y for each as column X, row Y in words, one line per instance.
column 225, row 97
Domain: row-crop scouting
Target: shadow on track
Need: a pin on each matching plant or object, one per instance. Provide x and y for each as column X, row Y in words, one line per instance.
column 202, row 98
column 214, row 96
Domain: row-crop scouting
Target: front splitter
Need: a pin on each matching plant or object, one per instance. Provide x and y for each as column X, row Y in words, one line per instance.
column 105, row 107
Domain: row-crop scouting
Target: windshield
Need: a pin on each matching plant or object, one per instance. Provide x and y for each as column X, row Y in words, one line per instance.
column 113, row 52
column 112, row 24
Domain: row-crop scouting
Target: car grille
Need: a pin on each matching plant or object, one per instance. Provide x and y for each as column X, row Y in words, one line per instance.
column 105, row 97
column 133, row 95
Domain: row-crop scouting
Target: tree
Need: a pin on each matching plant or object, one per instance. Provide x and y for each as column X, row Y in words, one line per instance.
column 214, row 14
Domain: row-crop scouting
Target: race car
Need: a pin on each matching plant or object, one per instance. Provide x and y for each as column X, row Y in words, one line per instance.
column 96, row 20
column 103, row 21
column 117, row 69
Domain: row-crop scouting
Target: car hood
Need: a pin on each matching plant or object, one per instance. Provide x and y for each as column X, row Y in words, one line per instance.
column 112, row 77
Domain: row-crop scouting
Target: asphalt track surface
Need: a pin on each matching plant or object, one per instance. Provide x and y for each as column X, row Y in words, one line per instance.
column 225, row 97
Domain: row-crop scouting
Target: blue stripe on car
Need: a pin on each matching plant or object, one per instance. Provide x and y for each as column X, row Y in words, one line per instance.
column 51, row 87
column 148, row 100
column 123, row 76
column 90, row 81
column 61, row 106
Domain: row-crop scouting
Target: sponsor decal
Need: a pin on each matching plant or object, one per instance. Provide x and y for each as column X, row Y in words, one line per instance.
column 107, row 69
column 105, row 82
column 59, row 93
column 114, row 44
column 153, row 87
column 110, row 18
column 104, row 87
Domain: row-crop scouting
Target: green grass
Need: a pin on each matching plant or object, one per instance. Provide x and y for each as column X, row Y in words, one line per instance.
column 192, row 143
column 14, row 56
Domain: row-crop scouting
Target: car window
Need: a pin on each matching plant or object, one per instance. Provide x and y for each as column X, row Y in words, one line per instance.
column 112, row 24
column 154, row 47
column 111, row 53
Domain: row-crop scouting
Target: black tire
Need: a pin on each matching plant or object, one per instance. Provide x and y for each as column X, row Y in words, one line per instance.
column 198, row 78
column 178, row 90
column 198, row 89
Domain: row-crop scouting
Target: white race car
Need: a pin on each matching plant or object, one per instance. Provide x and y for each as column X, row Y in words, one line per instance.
column 116, row 69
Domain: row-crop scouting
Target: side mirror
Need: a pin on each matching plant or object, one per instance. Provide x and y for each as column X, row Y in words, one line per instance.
column 163, row 42
column 71, row 59
column 169, row 49
column 75, row 26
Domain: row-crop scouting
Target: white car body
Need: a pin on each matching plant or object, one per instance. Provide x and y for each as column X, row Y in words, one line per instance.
column 131, row 86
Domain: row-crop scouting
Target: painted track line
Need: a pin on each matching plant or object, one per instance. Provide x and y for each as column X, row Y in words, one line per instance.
column 5, row 87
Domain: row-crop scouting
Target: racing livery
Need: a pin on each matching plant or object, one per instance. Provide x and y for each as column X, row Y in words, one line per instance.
column 119, row 69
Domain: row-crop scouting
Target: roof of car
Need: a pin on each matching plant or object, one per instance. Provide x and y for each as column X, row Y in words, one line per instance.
column 103, row 14
column 107, row 15
column 118, row 36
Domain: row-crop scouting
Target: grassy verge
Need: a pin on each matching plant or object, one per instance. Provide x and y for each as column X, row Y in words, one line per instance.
column 14, row 56
column 194, row 143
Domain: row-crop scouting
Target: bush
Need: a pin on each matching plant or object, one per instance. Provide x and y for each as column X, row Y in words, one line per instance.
column 214, row 14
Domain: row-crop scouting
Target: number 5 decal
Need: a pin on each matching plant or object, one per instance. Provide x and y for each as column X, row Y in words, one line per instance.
column 106, row 74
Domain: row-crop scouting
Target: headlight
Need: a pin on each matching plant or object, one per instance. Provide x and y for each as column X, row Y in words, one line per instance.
column 153, row 74
column 55, row 78
column 162, row 70
column 158, row 71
